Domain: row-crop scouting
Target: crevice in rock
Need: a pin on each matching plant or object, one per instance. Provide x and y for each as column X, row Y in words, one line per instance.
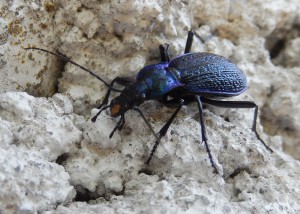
column 60, row 160
column 146, row 171
column 238, row 171
column 277, row 47
column 85, row 195
column 280, row 40
column 49, row 76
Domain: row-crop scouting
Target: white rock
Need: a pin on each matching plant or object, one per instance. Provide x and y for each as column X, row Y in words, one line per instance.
column 118, row 38
column 34, row 132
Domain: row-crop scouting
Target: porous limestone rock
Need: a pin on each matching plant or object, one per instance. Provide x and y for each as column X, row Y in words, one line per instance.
column 50, row 149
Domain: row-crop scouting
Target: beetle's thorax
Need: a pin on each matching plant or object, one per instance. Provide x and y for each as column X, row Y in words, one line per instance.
column 159, row 79
column 152, row 82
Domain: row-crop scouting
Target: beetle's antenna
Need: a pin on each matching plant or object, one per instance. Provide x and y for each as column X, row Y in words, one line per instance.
column 66, row 59
column 146, row 121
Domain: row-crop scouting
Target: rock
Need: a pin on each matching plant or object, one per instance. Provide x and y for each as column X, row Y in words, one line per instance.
column 55, row 160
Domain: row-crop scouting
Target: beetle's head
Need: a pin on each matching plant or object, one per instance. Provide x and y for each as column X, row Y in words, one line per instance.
column 118, row 106
column 124, row 102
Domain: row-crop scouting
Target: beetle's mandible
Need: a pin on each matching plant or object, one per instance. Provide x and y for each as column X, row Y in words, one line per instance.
column 188, row 78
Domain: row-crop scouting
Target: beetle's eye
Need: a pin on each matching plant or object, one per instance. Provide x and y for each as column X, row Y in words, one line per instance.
column 115, row 109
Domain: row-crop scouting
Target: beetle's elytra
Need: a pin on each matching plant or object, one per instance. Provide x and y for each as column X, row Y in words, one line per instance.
column 188, row 78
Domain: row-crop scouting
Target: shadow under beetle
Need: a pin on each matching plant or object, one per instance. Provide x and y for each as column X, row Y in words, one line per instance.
column 188, row 78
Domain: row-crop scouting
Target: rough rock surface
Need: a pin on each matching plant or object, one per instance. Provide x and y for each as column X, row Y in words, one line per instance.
column 34, row 133
column 54, row 160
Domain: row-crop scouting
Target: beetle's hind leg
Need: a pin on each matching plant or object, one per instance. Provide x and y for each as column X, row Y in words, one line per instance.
column 239, row 104
column 203, row 133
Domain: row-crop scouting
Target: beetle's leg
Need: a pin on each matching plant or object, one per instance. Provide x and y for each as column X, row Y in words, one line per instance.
column 164, row 53
column 175, row 100
column 99, row 112
column 119, row 124
column 203, row 133
column 121, row 81
column 189, row 42
column 164, row 130
column 173, row 103
column 146, row 121
column 239, row 104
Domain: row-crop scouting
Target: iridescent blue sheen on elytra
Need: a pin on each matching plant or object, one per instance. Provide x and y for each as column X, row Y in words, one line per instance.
column 209, row 73
column 192, row 73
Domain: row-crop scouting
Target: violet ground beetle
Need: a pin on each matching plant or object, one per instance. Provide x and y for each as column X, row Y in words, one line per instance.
column 188, row 78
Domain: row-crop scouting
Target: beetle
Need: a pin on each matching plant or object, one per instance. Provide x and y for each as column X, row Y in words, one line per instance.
column 187, row 78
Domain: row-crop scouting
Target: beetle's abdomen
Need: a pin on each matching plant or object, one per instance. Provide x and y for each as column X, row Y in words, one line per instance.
column 209, row 73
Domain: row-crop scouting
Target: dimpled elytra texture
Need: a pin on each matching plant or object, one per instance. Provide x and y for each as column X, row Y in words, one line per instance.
column 55, row 160
column 210, row 73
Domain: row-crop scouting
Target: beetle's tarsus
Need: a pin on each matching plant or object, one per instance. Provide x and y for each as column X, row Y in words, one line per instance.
column 259, row 138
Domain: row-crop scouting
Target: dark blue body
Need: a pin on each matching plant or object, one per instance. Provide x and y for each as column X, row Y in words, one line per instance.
column 189, row 74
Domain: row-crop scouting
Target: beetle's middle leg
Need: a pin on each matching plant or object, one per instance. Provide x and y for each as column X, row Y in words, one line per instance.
column 175, row 103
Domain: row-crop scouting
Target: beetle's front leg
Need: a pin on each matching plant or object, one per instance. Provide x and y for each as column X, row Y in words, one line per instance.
column 119, row 80
column 118, row 126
